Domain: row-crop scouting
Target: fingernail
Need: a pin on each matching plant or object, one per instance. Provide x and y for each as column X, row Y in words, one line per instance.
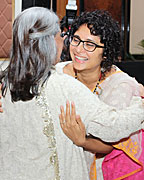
column 67, row 102
column 72, row 103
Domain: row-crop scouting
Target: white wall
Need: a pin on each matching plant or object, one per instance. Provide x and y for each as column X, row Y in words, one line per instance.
column 18, row 7
column 136, row 26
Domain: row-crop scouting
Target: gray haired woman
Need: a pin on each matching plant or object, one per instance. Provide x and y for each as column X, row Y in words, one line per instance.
column 32, row 144
column 33, row 52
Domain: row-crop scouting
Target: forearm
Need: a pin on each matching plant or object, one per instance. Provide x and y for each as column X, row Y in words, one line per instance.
column 96, row 145
column 102, row 120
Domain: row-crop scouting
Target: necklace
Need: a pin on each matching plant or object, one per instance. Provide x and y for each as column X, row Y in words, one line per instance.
column 97, row 90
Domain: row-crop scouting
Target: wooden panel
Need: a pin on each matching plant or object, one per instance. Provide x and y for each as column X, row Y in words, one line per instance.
column 113, row 6
column 6, row 18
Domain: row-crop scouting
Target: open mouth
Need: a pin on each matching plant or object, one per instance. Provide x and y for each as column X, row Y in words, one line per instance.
column 80, row 59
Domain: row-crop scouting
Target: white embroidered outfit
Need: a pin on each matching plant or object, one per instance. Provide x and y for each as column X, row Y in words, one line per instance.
column 31, row 150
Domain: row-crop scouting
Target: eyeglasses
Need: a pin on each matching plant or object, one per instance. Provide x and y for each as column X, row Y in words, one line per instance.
column 87, row 45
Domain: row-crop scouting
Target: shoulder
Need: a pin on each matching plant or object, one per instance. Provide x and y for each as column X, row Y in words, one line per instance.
column 121, row 80
column 119, row 76
column 61, row 66
column 68, row 69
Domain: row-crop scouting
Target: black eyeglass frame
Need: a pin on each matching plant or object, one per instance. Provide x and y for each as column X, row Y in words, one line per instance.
column 96, row 45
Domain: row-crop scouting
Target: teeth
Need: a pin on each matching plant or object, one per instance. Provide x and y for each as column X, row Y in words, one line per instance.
column 80, row 58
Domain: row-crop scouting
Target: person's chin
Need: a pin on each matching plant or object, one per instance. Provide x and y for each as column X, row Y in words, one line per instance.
column 79, row 66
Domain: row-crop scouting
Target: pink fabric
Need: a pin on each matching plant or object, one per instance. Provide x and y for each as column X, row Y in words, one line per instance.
column 117, row 164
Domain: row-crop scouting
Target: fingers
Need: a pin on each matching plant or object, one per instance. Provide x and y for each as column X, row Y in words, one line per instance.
column 62, row 116
column 73, row 113
column 80, row 123
column 67, row 118
column 72, row 125
column 61, row 120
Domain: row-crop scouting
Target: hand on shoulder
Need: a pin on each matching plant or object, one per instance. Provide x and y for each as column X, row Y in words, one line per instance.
column 141, row 90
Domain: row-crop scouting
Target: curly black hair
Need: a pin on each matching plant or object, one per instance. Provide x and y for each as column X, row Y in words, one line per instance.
column 65, row 55
column 100, row 23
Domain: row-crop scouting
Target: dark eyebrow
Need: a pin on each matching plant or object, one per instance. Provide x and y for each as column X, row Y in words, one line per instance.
column 89, row 40
column 77, row 36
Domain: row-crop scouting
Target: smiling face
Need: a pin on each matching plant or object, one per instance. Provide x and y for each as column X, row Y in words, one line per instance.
column 82, row 59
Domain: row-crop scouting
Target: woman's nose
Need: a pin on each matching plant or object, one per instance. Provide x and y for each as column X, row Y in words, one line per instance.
column 80, row 47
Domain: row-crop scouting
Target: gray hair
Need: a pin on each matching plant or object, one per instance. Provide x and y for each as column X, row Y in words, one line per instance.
column 38, row 23
column 31, row 16
column 33, row 52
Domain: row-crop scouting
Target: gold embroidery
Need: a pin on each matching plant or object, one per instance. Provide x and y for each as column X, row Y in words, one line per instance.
column 128, row 146
column 49, row 132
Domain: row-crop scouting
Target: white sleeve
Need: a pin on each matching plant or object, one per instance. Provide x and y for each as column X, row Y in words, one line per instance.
column 111, row 125
column 101, row 120
column 120, row 96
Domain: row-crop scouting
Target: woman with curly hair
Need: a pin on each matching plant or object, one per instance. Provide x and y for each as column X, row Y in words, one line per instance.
column 95, row 45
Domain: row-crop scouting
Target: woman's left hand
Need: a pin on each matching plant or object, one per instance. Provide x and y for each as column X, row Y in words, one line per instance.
column 141, row 90
column 72, row 125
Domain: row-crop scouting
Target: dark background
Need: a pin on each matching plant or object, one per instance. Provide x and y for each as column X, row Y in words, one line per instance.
column 41, row 3
column 134, row 69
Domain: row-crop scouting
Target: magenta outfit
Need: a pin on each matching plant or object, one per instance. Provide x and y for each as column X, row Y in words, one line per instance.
column 118, row 165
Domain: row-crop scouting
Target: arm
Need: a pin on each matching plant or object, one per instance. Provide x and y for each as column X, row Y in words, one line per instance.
column 120, row 96
column 101, row 120
column 74, row 129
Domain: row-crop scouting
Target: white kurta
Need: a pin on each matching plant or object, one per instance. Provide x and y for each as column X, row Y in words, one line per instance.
column 28, row 153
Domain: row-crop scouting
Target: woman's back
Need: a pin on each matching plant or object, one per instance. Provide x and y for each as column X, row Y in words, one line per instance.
column 25, row 152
